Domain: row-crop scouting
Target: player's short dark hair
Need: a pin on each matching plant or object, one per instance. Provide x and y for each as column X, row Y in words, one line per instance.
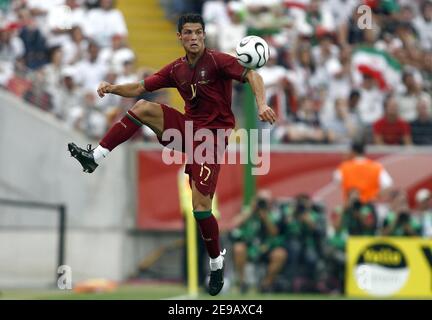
column 190, row 18
column 358, row 147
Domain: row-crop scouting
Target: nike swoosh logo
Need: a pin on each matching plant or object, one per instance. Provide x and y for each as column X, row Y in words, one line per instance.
column 243, row 43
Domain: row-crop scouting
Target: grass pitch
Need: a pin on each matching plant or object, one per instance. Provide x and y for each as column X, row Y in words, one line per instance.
column 146, row 292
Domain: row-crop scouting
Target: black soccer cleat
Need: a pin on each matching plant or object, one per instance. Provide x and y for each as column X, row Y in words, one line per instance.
column 216, row 281
column 84, row 157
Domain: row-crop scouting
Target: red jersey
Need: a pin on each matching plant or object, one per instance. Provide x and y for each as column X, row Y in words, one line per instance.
column 206, row 87
column 391, row 132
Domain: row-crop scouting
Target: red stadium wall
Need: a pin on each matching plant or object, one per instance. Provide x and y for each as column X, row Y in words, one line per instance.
column 290, row 173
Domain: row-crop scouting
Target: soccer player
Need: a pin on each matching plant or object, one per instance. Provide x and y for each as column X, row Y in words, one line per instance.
column 203, row 78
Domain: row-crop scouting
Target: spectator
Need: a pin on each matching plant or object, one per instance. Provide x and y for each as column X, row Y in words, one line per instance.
column 117, row 54
column 275, row 79
column 52, row 70
column 231, row 33
column 424, row 209
column 399, row 220
column 344, row 126
column 93, row 122
column 306, row 126
column 34, row 42
column 349, row 32
column 360, row 173
column 69, row 95
column 91, row 70
column 256, row 239
column 37, row 94
column 61, row 18
column 303, row 71
column 359, row 217
column 423, row 25
column 421, row 128
column 11, row 50
column 104, row 22
column 370, row 107
column 335, row 254
column 391, row 129
column 215, row 15
column 408, row 101
column 303, row 228
column 316, row 20
column 76, row 47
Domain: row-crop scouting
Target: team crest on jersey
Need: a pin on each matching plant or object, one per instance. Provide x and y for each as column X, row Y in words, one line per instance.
column 203, row 74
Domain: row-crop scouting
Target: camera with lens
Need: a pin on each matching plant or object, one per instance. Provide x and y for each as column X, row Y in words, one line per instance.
column 403, row 218
column 262, row 204
column 356, row 204
column 300, row 208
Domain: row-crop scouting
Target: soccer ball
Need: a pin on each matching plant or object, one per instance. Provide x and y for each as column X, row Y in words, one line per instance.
column 252, row 52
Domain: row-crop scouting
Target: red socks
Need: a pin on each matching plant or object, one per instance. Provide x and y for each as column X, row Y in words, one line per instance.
column 121, row 131
column 209, row 231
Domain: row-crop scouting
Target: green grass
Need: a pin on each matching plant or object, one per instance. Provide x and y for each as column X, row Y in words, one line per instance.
column 145, row 292
column 152, row 292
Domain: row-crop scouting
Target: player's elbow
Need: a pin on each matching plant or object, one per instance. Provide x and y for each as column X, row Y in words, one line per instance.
column 252, row 75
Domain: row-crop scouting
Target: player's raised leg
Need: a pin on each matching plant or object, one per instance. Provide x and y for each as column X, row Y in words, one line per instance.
column 208, row 225
column 142, row 113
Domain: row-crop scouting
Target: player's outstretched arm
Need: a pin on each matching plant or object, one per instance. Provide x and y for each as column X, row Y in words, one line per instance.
column 127, row 90
column 265, row 113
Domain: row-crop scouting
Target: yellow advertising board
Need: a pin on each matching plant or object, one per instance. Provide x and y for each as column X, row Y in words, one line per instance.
column 389, row 267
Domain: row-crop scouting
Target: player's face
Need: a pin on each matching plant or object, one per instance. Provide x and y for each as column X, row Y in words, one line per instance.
column 192, row 37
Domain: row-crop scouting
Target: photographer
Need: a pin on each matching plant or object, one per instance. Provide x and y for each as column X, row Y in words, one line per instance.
column 257, row 239
column 335, row 256
column 399, row 221
column 304, row 233
column 359, row 218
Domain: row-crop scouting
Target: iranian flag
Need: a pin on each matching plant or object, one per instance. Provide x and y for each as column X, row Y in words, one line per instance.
column 378, row 64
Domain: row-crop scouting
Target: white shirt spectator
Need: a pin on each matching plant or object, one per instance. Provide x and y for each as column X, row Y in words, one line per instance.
column 321, row 58
column 90, row 74
column 341, row 10
column 69, row 95
column 116, row 58
column 370, row 106
column 10, row 50
column 272, row 76
column 424, row 29
column 101, row 25
column 73, row 51
column 408, row 105
column 327, row 22
column 64, row 18
column 215, row 12
column 43, row 7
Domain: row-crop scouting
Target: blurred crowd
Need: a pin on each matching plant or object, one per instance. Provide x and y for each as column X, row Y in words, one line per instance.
column 295, row 245
column 339, row 70
column 54, row 54
column 299, row 244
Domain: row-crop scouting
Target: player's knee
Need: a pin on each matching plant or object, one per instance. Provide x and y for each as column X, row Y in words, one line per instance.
column 200, row 202
column 145, row 109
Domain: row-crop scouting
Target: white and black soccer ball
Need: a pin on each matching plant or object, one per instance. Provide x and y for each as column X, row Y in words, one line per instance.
column 252, row 52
